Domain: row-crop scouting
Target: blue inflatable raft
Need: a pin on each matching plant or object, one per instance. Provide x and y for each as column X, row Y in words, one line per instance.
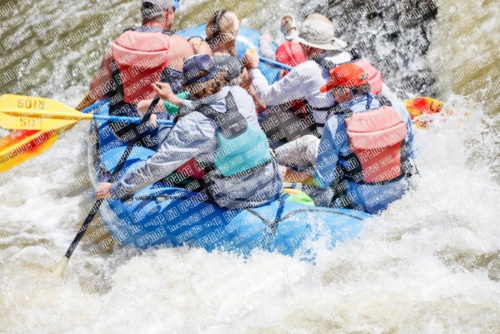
column 173, row 216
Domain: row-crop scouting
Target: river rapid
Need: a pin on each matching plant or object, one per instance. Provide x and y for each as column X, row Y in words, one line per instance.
column 428, row 264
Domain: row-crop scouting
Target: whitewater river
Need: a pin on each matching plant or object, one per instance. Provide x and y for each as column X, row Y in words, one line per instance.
column 429, row 264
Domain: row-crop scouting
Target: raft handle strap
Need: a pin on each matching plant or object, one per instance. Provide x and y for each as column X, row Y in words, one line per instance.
column 315, row 210
column 162, row 198
column 258, row 215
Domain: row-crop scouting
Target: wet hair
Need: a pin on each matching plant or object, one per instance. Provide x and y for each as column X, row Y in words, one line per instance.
column 361, row 90
column 355, row 91
column 207, row 88
column 222, row 28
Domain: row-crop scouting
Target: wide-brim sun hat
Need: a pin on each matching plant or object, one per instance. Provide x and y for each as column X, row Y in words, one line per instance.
column 318, row 32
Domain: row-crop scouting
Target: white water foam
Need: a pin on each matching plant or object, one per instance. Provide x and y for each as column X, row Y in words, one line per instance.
column 428, row 264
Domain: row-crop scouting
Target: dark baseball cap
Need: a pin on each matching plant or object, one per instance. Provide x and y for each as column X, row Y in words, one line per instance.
column 199, row 68
column 229, row 64
column 161, row 5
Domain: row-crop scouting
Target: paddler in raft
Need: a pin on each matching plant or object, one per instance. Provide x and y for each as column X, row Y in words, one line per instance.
column 221, row 31
column 363, row 158
column 219, row 129
column 289, row 52
column 137, row 59
column 292, row 54
column 324, row 52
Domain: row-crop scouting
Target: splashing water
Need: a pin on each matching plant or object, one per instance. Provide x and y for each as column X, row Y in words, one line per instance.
column 430, row 263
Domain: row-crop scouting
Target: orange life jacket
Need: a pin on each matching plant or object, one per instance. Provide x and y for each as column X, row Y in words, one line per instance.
column 377, row 152
column 140, row 57
column 374, row 77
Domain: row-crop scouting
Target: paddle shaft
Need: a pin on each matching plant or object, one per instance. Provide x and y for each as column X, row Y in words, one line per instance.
column 79, row 117
column 275, row 64
column 117, row 170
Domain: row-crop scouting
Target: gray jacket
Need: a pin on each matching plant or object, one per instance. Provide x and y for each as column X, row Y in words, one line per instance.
column 194, row 136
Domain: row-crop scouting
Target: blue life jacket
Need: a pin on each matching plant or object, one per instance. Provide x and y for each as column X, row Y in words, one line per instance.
column 241, row 147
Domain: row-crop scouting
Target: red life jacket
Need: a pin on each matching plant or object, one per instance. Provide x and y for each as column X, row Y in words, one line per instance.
column 290, row 53
column 376, row 140
column 140, row 57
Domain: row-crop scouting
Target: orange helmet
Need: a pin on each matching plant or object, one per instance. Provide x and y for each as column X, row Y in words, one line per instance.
column 346, row 75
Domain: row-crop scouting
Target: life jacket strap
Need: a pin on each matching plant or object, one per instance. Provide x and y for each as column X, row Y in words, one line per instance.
column 213, row 172
column 142, row 29
column 334, row 110
column 380, row 183
column 231, row 123
column 329, row 65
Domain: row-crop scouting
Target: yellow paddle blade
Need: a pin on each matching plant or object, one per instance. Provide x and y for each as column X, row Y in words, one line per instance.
column 26, row 103
column 422, row 106
column 64, row 115
column 22, row 156
column 20, row 112
column 37, row 113
column 23, row 122
column 23, row 145
column 60, row 268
